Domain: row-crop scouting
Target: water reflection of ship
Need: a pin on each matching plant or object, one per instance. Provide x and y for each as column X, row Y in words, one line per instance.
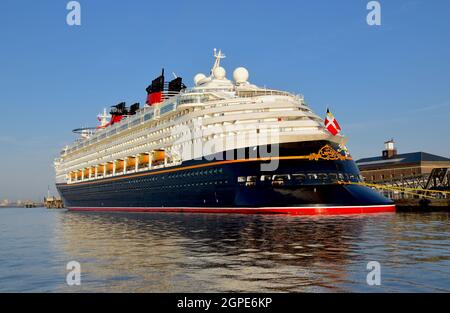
column 177, row 252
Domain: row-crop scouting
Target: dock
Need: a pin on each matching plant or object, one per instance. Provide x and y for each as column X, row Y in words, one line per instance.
column 30, row 204
column 423, row 205
column 53, row 203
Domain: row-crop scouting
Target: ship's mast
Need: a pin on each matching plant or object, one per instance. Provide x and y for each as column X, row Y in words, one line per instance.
column 218, row 55
column 103, row 118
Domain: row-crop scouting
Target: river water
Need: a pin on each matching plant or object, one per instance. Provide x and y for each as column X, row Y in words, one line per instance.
column 123, row 252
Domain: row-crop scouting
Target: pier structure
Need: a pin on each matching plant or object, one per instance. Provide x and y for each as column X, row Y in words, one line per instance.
column 53, row 203
column 30, row 204
column 407, row 175
column 417, row 181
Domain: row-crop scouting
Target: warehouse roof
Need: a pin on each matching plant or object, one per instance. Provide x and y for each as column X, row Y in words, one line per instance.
column 414, row 157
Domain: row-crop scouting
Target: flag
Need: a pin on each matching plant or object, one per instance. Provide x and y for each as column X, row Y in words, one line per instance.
column 331, row 124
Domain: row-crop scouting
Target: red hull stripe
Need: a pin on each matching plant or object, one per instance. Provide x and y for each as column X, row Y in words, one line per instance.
column 272, row 210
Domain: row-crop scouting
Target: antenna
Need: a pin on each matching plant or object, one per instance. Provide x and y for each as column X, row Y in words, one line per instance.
column 218, row 55
column 103, row 118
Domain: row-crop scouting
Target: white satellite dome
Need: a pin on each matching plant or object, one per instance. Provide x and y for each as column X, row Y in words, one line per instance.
column 219, row 72
column 240, row 75
column 198, row 78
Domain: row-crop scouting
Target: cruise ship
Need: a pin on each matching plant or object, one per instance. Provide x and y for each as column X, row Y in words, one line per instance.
column 222, row 146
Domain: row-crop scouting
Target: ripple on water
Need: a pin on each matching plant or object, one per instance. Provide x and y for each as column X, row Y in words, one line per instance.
column 197, row 253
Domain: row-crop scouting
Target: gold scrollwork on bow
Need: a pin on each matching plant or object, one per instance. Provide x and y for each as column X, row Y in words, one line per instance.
column 328, row 153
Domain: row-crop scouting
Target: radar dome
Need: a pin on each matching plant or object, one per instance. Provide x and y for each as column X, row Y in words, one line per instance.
column 219, row 72
column 240, row 75
column 198, row 78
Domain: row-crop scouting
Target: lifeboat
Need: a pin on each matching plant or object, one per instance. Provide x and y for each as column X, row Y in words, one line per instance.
column 119, row 165
column 131, row 163
column 109, row 168
column 158, row 157
column 143, row 160
column 100, row 169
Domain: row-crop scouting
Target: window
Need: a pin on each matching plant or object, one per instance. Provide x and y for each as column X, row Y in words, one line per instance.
column 299, row 177
column 266, row 178
column 333, row 177
column 251, row 181
column 279, row 180
column 148, row 116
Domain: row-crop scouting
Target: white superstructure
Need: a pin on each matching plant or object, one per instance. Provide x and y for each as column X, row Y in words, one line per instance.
column 218, row 114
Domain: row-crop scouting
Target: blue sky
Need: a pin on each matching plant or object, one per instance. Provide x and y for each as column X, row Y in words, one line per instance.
column 380, row 82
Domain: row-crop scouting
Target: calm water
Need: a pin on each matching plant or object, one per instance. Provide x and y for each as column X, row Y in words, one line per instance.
column 207, row 253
